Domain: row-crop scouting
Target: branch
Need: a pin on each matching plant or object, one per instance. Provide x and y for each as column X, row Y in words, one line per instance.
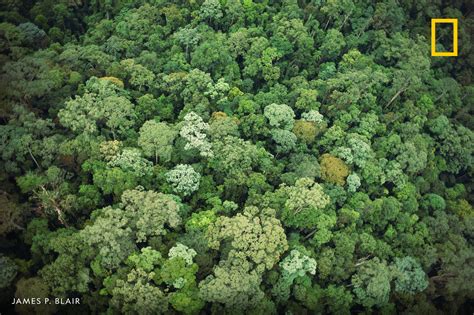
column 396, row 95
column 362, row 260
column 33, row 157
column 17, row 226
column 345, row 19
column 310, row 234
column 440, row 96
column 55, row 206
column 443, row 276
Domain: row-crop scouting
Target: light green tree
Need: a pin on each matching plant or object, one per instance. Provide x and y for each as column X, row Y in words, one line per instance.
column 233, row 284
column 284, row 139
column 313, row 115
column 101, row 102
column 156, row 140
column 188, row 37
column 332, row 45
column 194, row 131
column 151, row 212
column 182, row 251
column 235, row 159
column 184, row 179
column 179, row 273
column 304, row 204
column 255, row 235
column 409, row 276
column 140, row 76
column 210, row 10
column 131, row 160
column 293, row 266
column 371, row 283
column 280, row 116
column 353, row 182
column 136, row 295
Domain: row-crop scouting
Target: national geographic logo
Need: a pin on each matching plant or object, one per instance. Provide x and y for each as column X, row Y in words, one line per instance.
column 453, row 53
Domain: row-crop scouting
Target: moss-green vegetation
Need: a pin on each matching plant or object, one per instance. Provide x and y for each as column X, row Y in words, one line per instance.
column 235, row 157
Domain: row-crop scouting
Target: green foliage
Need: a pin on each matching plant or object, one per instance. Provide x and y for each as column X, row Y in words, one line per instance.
column 333, row 169
column 200, row 220
column 409, row 276
column 313, row 116
column 182, row 251
column 110, row 227
column 372, row 283
column 102, row 102
column 66, row 274
column 210, row 10
column 233, row 284
column 332, row 113
column 433, row 202
column 221, row 125
column 180, row 275
column 114, row 180
column 130, row 160
column 11, row 216
column 293, row 266
column 193, row 131
column 9, row 271
column 184, row 179
column 301, row 165
column 235, row 160
column 156, row 140
column 357, row 152
column 304, row 205
column 27, row 142
column 455, row 143
column 333, row 43
column 105, row 244
column 151, row 211
column 263, row 242
column 339, row 299
column 146, row 260
column 353, row 182
column 259, row 61
column 284, row 139
column 280, row 116
column 50, row 190
column 139, row 75
column 305, row 130
column 149, row 107
column 137, row 296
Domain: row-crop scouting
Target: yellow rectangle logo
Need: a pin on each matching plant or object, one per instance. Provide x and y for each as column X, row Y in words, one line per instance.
column 453, row 53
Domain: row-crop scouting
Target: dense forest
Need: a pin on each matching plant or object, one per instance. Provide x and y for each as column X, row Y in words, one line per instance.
column 235, row 157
